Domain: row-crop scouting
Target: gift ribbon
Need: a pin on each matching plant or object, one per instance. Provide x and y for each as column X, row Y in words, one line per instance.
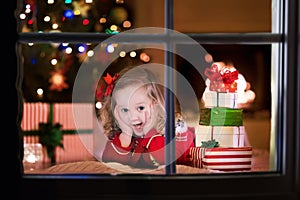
column 226, row 76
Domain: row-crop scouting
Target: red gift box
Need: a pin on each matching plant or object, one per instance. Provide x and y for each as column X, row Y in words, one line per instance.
column 222, row 79
column 227, row 158
column 221, row 86
column 196, row 155
column 222, row 158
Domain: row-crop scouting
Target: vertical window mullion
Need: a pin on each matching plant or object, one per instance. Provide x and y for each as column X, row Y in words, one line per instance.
column 170, row 158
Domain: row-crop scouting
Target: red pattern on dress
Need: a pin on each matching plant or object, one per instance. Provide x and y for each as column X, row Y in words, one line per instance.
column 148, row 150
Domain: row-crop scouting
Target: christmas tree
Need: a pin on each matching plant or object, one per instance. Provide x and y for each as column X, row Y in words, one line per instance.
column 50, row 68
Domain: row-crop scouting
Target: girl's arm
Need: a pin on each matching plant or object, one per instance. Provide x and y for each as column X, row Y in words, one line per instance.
column 156, row 147
column 114, row 152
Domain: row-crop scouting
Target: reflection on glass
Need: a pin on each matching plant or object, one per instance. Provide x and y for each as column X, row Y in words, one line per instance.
column 42, row 62
column 33, row 156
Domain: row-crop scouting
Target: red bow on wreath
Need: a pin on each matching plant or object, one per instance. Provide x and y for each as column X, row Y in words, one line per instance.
column 109, row 80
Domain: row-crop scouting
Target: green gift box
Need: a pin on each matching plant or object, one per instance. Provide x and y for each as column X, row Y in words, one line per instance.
column 220, row 116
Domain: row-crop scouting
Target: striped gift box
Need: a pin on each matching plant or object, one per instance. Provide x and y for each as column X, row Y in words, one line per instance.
column 227, row 158
column 72, row 116
column 196, row 155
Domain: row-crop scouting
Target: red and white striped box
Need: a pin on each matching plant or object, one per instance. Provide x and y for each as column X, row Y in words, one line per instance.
column 72, row 116
column 222, row 158
column 227, row 158
column 196, row 155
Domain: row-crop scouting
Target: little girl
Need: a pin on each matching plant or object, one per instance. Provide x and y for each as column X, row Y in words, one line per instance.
column 133, row 118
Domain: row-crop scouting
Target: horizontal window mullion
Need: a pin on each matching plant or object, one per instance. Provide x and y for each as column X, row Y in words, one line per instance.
column 255, row 38
column 237, row 38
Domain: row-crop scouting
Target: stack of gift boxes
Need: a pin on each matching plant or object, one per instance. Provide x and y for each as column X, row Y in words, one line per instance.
column 220, row 135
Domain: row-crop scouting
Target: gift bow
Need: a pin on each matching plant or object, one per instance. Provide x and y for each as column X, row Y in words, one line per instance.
column 213, row 73
column 227, row 76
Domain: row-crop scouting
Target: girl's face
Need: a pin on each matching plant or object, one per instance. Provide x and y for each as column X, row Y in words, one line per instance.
column 135, row 109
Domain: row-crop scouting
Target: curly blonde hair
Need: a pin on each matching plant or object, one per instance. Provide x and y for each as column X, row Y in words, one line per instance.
column 137, row 76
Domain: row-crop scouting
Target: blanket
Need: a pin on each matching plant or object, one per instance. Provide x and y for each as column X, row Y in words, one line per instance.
column 260, row 162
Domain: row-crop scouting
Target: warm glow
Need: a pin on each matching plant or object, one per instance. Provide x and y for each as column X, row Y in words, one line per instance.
column 208, row 58
column 57, row 79
column 113, row 28
column 85, row 22
column 122, row 54
column 90, row 53
column 50, row 1
column 98, row 105
column 22, row 16
column 76, row 12
column 55, row 26
column 27, row 9
column 53, row 61
column 47, row 18
column 132, row 54
column 40, row 92
column 126, row 24
column 102, row 20
column 68, row 50
column 144, row 57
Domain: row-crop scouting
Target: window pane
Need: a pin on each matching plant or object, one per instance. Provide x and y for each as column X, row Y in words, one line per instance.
column 229, row 16
column 253, row 97
column 43, row 61
column 90, row 16
column 64, row 78
column 53, row 83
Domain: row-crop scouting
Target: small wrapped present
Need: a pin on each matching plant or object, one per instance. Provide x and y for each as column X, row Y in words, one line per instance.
column 227, row 136
column 222, row 79
column 227, row 158
column 221, row 158
column 219, row 99
column 220, row 116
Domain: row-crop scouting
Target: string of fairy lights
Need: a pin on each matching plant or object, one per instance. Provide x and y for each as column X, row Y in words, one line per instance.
column 103, row 16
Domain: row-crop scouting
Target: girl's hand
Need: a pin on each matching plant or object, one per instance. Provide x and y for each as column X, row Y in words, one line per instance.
column 127, row 131
column 150, row 117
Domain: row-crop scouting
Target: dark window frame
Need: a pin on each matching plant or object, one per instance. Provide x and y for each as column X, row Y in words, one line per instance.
column 283, row 183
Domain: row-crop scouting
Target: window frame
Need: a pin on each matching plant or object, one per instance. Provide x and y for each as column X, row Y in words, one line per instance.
column 283, row 183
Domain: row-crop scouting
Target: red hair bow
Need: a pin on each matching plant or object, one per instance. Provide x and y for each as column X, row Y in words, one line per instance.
column 109, row 80
column 110, row 83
